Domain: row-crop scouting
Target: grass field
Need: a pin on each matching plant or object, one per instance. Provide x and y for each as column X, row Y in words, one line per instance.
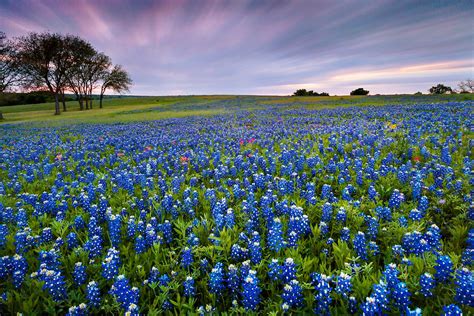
column 134, row 109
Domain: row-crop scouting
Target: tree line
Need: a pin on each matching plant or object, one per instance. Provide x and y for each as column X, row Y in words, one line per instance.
column 59, row 64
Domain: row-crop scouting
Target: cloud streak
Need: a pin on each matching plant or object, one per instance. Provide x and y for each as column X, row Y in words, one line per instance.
column 205, row 47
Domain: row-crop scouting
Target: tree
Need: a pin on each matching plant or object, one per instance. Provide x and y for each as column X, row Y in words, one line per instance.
column 360, row 91
column 82, row 72
column 466, row 86
column 304, row 93
column 116, row 79
column 96, row 70
column 44, row 59
column 440, row 89
column 9, row 74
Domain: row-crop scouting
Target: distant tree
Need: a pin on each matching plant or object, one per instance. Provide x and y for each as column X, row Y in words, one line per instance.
column 44, row 59
column 466, row 86
column 440, row 89
column 300, row 93
column 418, row 93
column 304, row 93
column 115, row 79
column 360, row 91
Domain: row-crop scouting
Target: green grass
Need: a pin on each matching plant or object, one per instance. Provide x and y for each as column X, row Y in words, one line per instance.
column 130, row 109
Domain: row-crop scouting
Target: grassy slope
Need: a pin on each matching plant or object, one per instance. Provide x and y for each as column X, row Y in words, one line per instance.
column 129, row 109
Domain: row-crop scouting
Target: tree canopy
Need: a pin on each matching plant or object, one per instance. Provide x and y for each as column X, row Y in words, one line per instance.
column 359, row 91
column 440, row 89
column 311, row 93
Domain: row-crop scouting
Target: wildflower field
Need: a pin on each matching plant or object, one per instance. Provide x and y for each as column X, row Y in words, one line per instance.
column 259, row 209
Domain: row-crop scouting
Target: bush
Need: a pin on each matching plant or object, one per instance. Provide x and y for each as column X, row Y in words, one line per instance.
column 310, row 93
column 360, row 91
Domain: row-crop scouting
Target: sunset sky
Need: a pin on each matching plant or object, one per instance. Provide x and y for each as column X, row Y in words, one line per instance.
column 266, row 47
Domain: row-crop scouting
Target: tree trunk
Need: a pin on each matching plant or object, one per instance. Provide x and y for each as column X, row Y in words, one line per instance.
column 100, row 100
column 1, row 116
column 81, row 104
column 56, row 104
column 87, row 103
column 90, row 98
column 63, row 100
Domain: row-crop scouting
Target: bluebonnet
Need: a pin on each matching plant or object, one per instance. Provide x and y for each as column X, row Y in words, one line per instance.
column 79, row 273
column 275, row 236
column 115, row 226
column 3, row 234
column 401, row 297
column 343, row 284
column 140, row 244
column 93, row 294
column 46, row 235
column 341, row 215
column 396, row 199
column 123, row 292
column 444, row 268
column 250, row 291
column 323, row 289
column 54, row 284
column 451, row 310
column 390, row 275
column 255, row 251
column 189, row 288
column 167, row 232
column 292, row 295
column 427, row 284
column 464, row 287
column 380, row 294
column 370, row 307
column 323, row 228
column 71, row 240
column 216, row 279
column 111, row 264
column 345, row 234
column 274, row 269
column 326, row 212
column 19, row 267
column 80, row 310
column 187, row 258
column 233, row 281
column 288, row 271
column 360, row 245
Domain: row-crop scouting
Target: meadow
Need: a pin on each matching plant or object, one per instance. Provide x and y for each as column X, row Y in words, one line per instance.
column 232, row 205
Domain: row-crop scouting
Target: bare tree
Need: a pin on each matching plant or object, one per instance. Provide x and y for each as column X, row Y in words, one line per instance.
column 9, row 74
column 466, row 86
column 76, row 74
column 97, row 69
column 117, row 79
column 44, row 59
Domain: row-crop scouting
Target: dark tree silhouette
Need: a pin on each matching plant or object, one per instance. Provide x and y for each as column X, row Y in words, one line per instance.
column 116, row 79
column 304, row 93
column 44, row 59
column 440, row 89
column 360, row 91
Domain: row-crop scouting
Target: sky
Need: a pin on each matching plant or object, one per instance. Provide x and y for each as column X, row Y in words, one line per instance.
column 266, row 47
